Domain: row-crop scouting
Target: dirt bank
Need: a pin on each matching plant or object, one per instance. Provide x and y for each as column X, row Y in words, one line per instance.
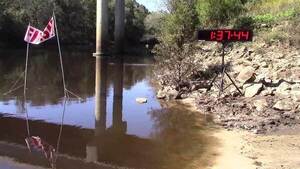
column 241, row 149
column 244, row 150
column 8, row 163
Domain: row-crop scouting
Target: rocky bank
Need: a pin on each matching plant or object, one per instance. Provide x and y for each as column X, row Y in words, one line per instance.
column 268, row 76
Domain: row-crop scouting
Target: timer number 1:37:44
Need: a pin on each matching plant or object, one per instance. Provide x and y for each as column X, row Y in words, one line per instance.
column 221, row 35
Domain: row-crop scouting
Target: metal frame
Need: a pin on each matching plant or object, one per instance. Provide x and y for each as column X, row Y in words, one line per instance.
column 223, row 73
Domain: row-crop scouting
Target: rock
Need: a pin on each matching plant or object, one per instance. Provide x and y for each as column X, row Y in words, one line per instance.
column 234, row 92
column 202, row 90
column 260, row 104
column 161, row 95
column 263, row 25
column 141, row 100
column 284, row 105
column 284, row 86
column 296, row 74
column 264, row 64
column 260, row 77
column 168, row 93
column 253, row 90
column 172, row 94
column 296, row 87
column 278, row 55
column 195, row 94
column 268, row 91
column 258, row 131
column 246, row 74
column 296, row 96
column 184, row 96
column 283, row 89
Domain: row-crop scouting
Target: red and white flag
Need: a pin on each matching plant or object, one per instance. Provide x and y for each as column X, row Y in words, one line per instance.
column 48, row 32
column 36, row 36
column 33, row 35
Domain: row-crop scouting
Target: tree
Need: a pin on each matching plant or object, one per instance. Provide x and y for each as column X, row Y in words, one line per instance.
column 175, row 53
column 76, row 19
column 153, row 23
column 218, row 12
column 135, row 16
column 180, row 24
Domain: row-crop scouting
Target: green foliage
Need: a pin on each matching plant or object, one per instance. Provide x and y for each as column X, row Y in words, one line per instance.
column 271, row 18
column 260, row 7
column 135, row 16
column 179, row 25
column 153, row 23
column 244, row 22
column 218, row 12
column 175, row 66
column 175, row 53
column 76, row 19
column 295, row 31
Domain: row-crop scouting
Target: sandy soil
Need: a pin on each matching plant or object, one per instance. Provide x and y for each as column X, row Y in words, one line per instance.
column 240, row 149
column 229, row 154
column 8, row 163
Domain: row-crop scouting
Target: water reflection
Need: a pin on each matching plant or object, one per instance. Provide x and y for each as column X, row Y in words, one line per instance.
column 45, row 89
column 44, row 78
column 100, row 90
column 175, row 139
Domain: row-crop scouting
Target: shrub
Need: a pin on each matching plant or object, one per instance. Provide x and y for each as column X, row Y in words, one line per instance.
column 245, row 22
column 175, row 66
column 218, row 12
column 175, row 53
column 179, row 25
column 270, row 18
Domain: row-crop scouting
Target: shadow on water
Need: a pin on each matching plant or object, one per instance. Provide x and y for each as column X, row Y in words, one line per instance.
column 184, row 137
column 179, row 139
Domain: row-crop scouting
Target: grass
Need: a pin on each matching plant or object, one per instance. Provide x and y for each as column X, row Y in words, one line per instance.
column 271, row 18
column 274, row 36
column 261, row 7
column 272, row 11
column 281, row 18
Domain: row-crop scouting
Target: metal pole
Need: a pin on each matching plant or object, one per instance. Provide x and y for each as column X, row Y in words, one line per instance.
column 25, row 88
column 60, row 57
column 223, row 69
column 233, row 83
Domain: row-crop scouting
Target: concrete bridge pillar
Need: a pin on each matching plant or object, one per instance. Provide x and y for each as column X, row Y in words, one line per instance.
column 100, row 96
column 102, row 37
column 101, row 65
column 118, row 124
column 119, row 26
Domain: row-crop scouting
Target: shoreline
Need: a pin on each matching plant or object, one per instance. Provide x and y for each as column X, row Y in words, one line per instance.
column 243, row 149
column 9, row 163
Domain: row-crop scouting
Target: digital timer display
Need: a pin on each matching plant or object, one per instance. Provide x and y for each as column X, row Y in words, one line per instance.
column 225, row 35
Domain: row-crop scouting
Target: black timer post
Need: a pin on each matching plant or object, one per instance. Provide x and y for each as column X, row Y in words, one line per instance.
column 225, row 36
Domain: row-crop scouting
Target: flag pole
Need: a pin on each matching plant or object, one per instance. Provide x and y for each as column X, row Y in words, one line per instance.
column 60, row 56
column 66, row 97
column 25, row 87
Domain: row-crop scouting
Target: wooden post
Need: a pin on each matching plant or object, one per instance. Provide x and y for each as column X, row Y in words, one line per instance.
column 119, row 26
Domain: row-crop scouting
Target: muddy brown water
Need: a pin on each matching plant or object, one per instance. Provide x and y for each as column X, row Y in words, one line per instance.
column 123, row 133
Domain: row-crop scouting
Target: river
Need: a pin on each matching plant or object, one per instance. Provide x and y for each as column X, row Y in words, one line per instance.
column 121, row 132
